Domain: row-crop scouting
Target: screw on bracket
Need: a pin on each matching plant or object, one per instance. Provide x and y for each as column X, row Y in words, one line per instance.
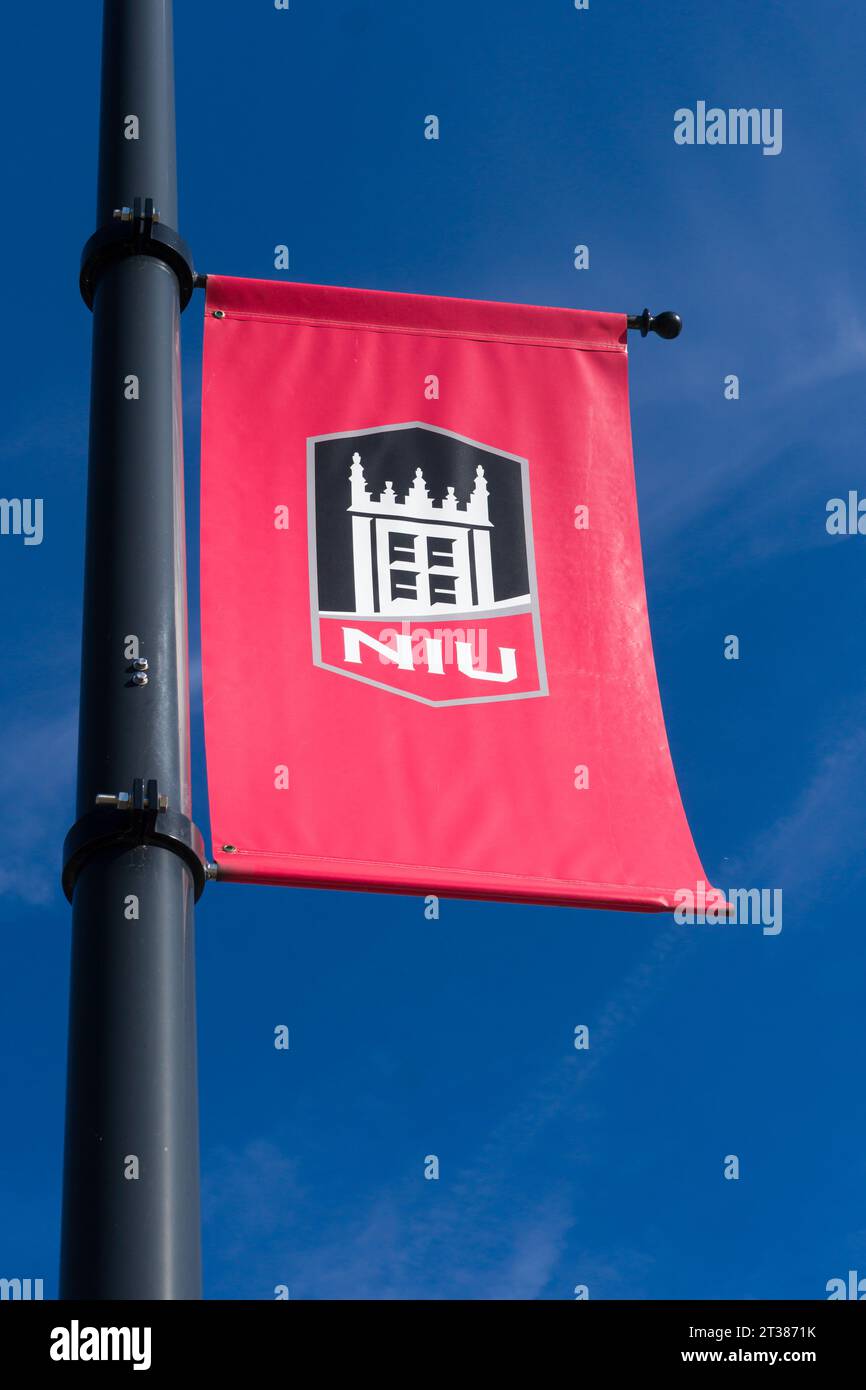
column 139, row 666
column 142, row 210
column 123, row 801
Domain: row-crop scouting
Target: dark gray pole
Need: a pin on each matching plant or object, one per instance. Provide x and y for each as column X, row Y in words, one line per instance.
column 131, row 1167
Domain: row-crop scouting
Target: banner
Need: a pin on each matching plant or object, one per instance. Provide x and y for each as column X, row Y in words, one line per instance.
column 427, row 661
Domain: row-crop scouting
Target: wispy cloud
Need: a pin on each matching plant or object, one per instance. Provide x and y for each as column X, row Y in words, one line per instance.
column 36, row 784
column 61, row 433
column 253, row 1195
column 452, row 1239
column 440, row 1243
column 795, row 445
column 476, row 1234
column 821, row 837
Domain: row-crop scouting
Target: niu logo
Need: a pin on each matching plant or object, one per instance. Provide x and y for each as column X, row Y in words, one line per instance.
column 421, row 565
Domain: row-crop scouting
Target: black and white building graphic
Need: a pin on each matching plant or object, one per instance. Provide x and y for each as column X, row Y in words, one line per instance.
column 411, row 520
column 413, row 524
column 415, row 554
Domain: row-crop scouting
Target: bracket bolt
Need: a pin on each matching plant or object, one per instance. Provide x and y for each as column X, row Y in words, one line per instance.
column 127, row 214
column 122, row 801
column 140, row 678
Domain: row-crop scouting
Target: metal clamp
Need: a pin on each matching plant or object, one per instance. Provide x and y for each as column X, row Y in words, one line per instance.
column 136, row 231
column 125, row 820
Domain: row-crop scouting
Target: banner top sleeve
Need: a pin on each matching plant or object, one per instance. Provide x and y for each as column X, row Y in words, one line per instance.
column 388, row 311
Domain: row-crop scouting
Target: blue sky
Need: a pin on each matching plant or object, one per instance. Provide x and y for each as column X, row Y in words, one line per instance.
column 455, row 1037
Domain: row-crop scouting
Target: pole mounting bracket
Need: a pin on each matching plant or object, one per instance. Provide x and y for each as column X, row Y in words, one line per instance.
column 125, row 820
column 136, row 231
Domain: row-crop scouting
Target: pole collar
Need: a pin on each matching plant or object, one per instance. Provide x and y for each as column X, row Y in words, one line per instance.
column 126, row 821
column 136, row 231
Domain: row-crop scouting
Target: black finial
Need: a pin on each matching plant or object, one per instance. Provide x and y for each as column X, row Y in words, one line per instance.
column 666, row 325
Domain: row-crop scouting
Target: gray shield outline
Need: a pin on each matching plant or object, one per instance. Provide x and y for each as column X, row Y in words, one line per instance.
column 312, row 441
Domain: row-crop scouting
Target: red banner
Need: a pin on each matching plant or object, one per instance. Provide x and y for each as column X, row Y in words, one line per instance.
column 427, row 658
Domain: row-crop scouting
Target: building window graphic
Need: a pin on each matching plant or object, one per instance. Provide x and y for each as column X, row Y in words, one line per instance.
column 416, row 554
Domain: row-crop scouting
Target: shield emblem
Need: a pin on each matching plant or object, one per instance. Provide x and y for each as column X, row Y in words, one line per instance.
column 422, row 572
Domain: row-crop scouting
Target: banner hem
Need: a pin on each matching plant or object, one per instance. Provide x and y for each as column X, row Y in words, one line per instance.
column 302, row 871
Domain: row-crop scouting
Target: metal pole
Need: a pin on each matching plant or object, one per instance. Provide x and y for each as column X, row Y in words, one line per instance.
column 131, row 1165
